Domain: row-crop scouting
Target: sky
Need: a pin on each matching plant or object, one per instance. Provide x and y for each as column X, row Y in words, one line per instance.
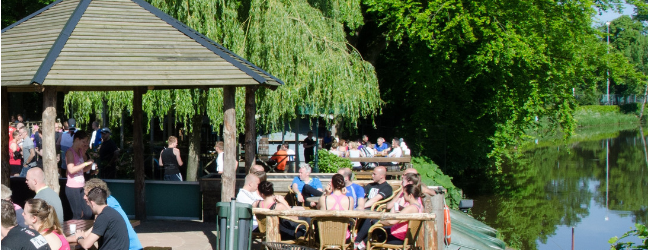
column 612, row 14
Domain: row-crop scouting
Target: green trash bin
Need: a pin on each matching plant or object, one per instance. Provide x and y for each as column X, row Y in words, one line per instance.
column 243, row 218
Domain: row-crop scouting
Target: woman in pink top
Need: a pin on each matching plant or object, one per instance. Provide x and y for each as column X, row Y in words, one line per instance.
column 77, row 162
column 42, row 217
column 395, row 229
column 398, row 202
column 336, row 200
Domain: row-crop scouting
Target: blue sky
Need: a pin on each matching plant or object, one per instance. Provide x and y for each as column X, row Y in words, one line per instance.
column 611, row 15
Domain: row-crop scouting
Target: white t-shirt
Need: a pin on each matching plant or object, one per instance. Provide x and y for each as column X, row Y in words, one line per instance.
column 220, row 162
column 248, row 197
column 291, row 154
column 355, row 153
column 397, row 152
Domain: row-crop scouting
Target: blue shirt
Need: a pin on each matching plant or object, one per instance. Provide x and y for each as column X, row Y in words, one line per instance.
column 355, row 191
column 313, row 182
column 134, row 242
column 382, row 147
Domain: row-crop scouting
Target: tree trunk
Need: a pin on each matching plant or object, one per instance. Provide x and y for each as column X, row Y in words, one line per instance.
column 5, row 139
column 230, row 144
column 138, row 159
column 250, row 130
column 194, row 155
column 104, row 113
column 50, row 165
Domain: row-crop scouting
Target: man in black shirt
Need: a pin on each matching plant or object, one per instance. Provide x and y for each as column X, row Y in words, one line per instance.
column 108, row 153
column 379, row 189
column 309, row 144
column 16, row 237
column 109, row 230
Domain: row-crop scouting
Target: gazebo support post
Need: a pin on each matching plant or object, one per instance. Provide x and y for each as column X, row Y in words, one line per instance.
column 250, row 130
column 4, row 127
column 229, row 143
column 138, row 159
column 50, row 165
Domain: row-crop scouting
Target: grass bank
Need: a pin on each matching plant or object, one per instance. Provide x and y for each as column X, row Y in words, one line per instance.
column 596, row 115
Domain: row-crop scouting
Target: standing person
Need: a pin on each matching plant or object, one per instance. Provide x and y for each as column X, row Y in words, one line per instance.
column 78, row 163
column 16, row 237
column 309, row 144
column 134, row 242
column 41, row 216
column 29, row 154
column 36, row 182
column 170, row 159
column 15, row 154
column 352, row 189
column 109, row 229
column 305, row 186
column 108, row 154
column 38, row 145
column 66, row 140
column 11, row 131
column 327, row 141
column 96, row 138
column 6, row 195
column 219, row 148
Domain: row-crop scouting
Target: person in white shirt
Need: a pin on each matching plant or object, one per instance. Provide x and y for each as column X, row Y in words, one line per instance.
column 290, row 152
column 397, row 151
column 219, row 148
column 248, row 194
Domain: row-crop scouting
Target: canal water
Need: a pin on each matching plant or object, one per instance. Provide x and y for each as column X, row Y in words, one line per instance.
column 597, row 185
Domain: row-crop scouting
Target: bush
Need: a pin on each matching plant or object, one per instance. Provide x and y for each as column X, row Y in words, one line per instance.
column 641, row 231
column 432, row 176
column 330, row 163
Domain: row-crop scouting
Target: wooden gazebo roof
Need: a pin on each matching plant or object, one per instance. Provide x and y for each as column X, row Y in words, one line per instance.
column 117, row 45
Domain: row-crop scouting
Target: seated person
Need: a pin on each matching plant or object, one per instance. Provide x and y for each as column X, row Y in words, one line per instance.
column 352, row 189
column 248, row 193
column 397, row 203
column 304, row 186
column 395, row 152
column 277, row 202
column 395, row 230
column 379, row 189
column 42, row 217
column 17, row 237
column 281, row 158
column 381, row 148
column 335, row 191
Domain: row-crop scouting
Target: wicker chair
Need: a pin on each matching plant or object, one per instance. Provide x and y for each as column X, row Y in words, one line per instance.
column 380, row 205
column 331, row 232
column 414, row 227
column 303, row 240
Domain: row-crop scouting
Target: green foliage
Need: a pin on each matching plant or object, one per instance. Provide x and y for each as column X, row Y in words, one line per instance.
column 432, row 176
column 331, row 163
column 14, row 10
column 603, row 115
column 641, row 231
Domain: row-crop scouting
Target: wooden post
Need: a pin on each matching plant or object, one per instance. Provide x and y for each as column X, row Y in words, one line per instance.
column 50, row 165
column 5, row 138
column 138, row 159
column 251, row 132
column 229, row 143
column 428, row 234
column 272, row 229
column 437, row 203
column 297, row 135
column 194, row 154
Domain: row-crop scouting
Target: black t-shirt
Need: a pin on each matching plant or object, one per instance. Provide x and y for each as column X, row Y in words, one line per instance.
column 383, row 189
column 106, row 151
column 309, row 141
column 111, row 228
column 24, row 239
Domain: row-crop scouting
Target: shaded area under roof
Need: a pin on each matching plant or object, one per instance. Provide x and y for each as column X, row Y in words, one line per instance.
column 117, row 45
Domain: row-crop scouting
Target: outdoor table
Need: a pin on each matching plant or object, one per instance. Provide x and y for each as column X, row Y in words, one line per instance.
column 285, row 246
column 81, row 225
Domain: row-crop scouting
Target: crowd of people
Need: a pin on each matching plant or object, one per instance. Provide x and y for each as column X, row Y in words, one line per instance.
column 340, row 194
column 365, row 148
column 39, row 225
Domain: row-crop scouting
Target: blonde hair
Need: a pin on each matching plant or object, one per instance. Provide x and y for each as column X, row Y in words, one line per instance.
column 172, row 139
column 96, row 182
column 46, row 214
column 353, row 145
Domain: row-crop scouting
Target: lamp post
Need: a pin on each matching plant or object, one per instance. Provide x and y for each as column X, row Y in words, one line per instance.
column 608, row 63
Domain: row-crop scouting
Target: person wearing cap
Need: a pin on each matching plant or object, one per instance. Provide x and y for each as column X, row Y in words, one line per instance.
column 108, row 154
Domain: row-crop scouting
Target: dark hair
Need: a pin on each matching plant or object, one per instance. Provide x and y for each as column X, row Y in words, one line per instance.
column 338, row 182
column 79, row 134
column 8, row 214
column 412, row 177
column 413, row 190
column 46, row 214
column 265, row 188
column 98, row 196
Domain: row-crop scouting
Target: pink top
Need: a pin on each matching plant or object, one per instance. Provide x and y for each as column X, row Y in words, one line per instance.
column 76, row 180
column 337, row 202
column 399, row 230
column 64, row 242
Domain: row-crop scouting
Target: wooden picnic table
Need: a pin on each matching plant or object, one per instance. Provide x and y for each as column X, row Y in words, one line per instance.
column 381, row 159
column 84, row 225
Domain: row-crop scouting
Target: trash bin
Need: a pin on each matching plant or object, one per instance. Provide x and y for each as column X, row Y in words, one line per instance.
column 243, row 225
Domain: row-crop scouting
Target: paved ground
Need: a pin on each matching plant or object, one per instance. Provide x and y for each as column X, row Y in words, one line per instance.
column 194, row 235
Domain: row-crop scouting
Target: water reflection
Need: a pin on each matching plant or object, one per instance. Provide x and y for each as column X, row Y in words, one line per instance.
column 551, row 189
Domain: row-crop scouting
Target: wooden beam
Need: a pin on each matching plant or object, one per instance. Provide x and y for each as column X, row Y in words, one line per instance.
column 230, row 144
column 50, row 165
column 250, row 130
column 138, row 155
column 4, row 128
column 380, row 159
column 346, row 214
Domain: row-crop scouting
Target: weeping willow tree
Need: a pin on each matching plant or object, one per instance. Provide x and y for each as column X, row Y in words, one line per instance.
column 301, row 42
